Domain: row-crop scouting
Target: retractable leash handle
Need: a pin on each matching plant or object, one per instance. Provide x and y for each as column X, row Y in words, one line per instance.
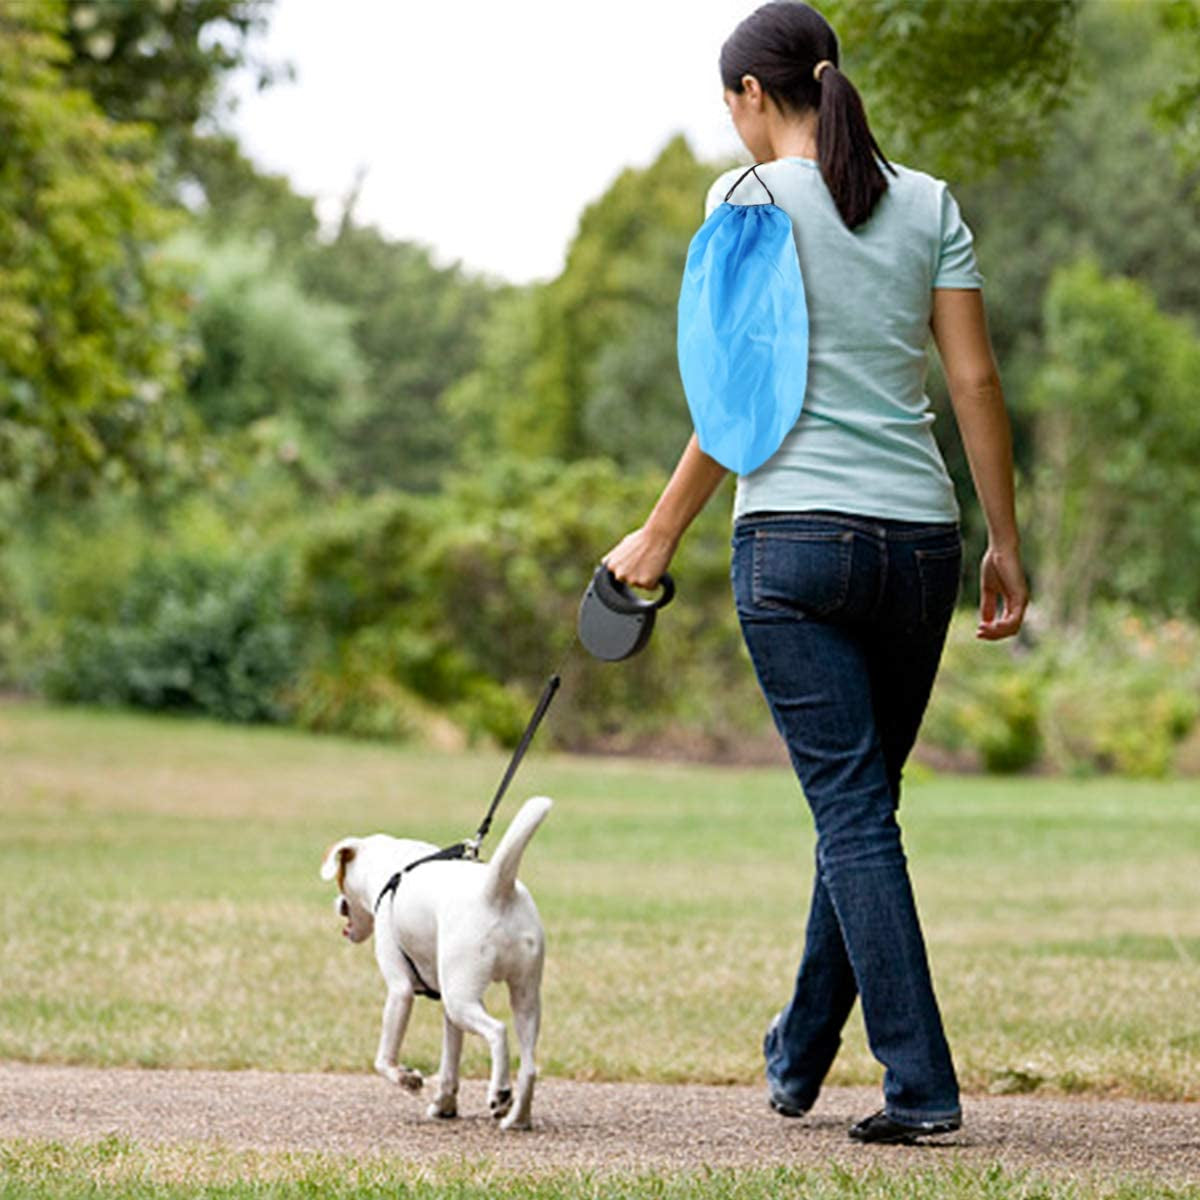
column 617, row 596
column 613, row 622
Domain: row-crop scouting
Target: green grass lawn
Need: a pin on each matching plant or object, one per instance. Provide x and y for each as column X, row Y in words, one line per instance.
column 162, row 907
column 118, row 1170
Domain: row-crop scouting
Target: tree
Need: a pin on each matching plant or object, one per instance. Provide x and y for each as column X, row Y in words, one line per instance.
column 485, row 408
column 954, row 87
column 238, row 196
column 273, row 361
column 159, row 63
column 1178, row 105
column 1107, row 186
column 417, row 329
column 1115, row 491
column 604, row 379
column 89, row 310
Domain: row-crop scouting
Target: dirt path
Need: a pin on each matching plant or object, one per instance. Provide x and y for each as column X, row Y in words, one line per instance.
column 598, row 1126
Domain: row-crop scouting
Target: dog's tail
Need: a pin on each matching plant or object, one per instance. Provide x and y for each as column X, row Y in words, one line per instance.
column 506, row 861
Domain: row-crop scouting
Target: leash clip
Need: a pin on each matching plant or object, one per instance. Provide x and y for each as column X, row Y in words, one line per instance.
column 471, row 849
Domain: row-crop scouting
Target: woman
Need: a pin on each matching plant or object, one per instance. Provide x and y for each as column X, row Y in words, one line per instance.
column 846, row 551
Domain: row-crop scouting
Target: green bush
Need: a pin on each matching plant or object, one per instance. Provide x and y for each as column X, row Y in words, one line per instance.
column 439, row 618
column 469, row 602
column 188, row 612
column 195, row 633
column 1121, row 695
column 1118, row 695
column 986, row 701
column 352, row 691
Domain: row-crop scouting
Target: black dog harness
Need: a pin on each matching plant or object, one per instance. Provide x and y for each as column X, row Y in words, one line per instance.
column 469, row 849
column 458, row 850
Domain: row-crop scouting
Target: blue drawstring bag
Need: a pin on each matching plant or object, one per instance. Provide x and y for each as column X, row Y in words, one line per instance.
column 743, row 332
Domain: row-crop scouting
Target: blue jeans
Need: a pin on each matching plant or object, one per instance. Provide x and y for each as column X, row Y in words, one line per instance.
column 845, row 618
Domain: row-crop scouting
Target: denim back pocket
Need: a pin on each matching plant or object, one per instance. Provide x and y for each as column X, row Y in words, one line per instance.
column 802, row 572
column 939, row 569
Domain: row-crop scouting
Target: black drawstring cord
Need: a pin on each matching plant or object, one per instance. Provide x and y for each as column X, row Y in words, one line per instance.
column 757, row 176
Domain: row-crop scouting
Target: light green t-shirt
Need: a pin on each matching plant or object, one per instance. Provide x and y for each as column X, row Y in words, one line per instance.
column 864, row 441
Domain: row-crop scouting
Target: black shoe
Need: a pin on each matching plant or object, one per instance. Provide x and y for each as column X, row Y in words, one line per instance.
column 881, row 1128
column 785, row 1108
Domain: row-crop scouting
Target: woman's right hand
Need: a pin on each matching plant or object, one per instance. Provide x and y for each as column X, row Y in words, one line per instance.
column 1003, row 594
column 640, row 558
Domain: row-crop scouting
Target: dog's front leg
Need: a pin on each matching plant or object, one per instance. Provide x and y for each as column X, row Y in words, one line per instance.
column 445, row 1102
column 396, row 1011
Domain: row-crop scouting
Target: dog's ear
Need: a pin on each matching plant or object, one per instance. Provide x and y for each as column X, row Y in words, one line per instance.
column 336, row 858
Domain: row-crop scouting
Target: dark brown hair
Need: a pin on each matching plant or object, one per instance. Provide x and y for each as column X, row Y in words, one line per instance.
column 780, row 44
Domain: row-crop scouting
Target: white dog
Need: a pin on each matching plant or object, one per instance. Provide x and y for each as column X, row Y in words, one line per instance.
column 450, row 926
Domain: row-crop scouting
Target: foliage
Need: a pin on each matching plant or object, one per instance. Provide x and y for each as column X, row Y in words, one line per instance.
column 189, row 633
column 469, row 600
column 487, row 409
column 1177, row 106
column 365, row 593
column 187, row 617
column 416, row 327
column 1122, row 696
column 355, row 690
column 159, row 63
column 1118, row 430
column 595, row 357
column 1104, row 186
column 987, row 701
column 958, row 88
column 272, row 359
column 89, row 353
column 1118, row 695
column 231, row 196
column 527, row 427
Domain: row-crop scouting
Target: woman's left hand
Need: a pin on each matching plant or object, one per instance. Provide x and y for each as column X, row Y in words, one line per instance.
column 640, row 558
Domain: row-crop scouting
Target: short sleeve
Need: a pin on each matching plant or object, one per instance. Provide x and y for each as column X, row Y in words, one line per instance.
column 716, row 193
column 956, row 266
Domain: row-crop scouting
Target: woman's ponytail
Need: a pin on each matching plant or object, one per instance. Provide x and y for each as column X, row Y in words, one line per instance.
column 793, row 52
column 847, row 151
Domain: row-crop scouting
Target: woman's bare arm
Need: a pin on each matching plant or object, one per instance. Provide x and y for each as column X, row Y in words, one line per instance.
column 641, row 557
column 960, row 331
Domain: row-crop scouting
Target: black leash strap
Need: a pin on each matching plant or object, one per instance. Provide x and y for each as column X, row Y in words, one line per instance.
column 470, row 848
column 552, row 686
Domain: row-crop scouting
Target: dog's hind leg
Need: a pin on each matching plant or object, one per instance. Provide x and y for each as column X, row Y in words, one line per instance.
column 469, row 1014
column 396, row 1011
column 445, row 1102
column 527, row 1018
